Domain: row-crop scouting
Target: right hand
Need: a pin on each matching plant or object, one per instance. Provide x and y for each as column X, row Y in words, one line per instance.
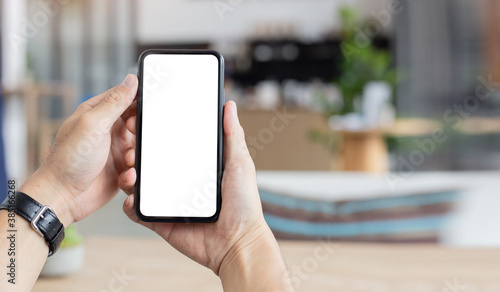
column 241, row 223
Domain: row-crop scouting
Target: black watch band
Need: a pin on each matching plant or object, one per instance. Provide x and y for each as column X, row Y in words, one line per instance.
column 42, row 218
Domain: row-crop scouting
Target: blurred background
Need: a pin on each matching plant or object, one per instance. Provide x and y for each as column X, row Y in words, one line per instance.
column 368, row 120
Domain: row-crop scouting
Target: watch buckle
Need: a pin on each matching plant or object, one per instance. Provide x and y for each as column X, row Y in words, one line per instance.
column 38, row 216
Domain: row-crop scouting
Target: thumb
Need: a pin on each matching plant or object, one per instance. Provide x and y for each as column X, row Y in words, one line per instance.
column 235, row 147
column 129, row 210
column 115, row 101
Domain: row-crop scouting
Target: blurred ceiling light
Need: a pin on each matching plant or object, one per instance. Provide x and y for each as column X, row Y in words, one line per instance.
column 263, row 53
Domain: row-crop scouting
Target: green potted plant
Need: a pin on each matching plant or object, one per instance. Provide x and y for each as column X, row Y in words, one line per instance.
column 362, row 63
column 364, row 71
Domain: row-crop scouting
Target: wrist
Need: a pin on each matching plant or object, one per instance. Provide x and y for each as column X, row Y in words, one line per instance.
column 244, row 247
column 255, row 264
column 45, row 188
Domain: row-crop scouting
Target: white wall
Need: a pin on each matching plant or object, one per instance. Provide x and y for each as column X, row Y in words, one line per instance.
column 195, row 20
column 14, row 36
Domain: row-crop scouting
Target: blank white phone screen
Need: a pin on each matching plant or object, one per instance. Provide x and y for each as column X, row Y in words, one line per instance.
column 179, row 135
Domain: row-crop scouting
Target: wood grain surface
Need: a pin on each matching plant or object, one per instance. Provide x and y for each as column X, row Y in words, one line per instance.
column 152, row 265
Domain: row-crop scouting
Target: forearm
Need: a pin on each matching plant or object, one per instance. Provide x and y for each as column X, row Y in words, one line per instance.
column 258, row 266
column 22, row 250
column 22, row 254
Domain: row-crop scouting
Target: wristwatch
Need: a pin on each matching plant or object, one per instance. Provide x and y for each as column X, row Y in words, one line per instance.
column 43, row 219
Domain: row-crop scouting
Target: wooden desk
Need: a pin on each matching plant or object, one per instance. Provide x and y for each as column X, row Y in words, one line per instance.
column 367, row 150
column 287, row 145
column 155, row 266
column 363, row 151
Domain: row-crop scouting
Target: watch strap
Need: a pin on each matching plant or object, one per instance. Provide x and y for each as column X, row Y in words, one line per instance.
column 42, row 218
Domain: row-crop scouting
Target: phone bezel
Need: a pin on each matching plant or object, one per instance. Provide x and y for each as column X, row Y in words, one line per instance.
column 220, row 135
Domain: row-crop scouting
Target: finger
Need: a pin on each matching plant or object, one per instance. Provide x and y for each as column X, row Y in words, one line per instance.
column 129, row 210
column 235, row 146
column 120, row 130
column 126, row 181
column 129, row 157
column 130, row 111
column 131, row 124
column 92, row 102
column 114, row 102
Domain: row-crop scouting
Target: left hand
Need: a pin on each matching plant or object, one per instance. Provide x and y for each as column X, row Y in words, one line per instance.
column 81, row 172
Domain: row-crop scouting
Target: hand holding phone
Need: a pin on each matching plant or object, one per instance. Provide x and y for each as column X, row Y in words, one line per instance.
column 236, row 246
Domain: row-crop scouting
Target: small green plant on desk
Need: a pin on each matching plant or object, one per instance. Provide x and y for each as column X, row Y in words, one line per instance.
column 361, row 64
column 71, row 237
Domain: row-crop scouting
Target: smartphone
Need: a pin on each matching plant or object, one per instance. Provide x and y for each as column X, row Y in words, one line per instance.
column 179, row 136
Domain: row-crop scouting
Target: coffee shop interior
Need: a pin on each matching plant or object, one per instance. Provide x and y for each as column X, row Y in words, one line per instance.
column 374, row 126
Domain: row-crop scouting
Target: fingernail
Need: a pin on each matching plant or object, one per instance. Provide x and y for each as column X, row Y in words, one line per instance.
column 235, row 110
column 129, row 81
